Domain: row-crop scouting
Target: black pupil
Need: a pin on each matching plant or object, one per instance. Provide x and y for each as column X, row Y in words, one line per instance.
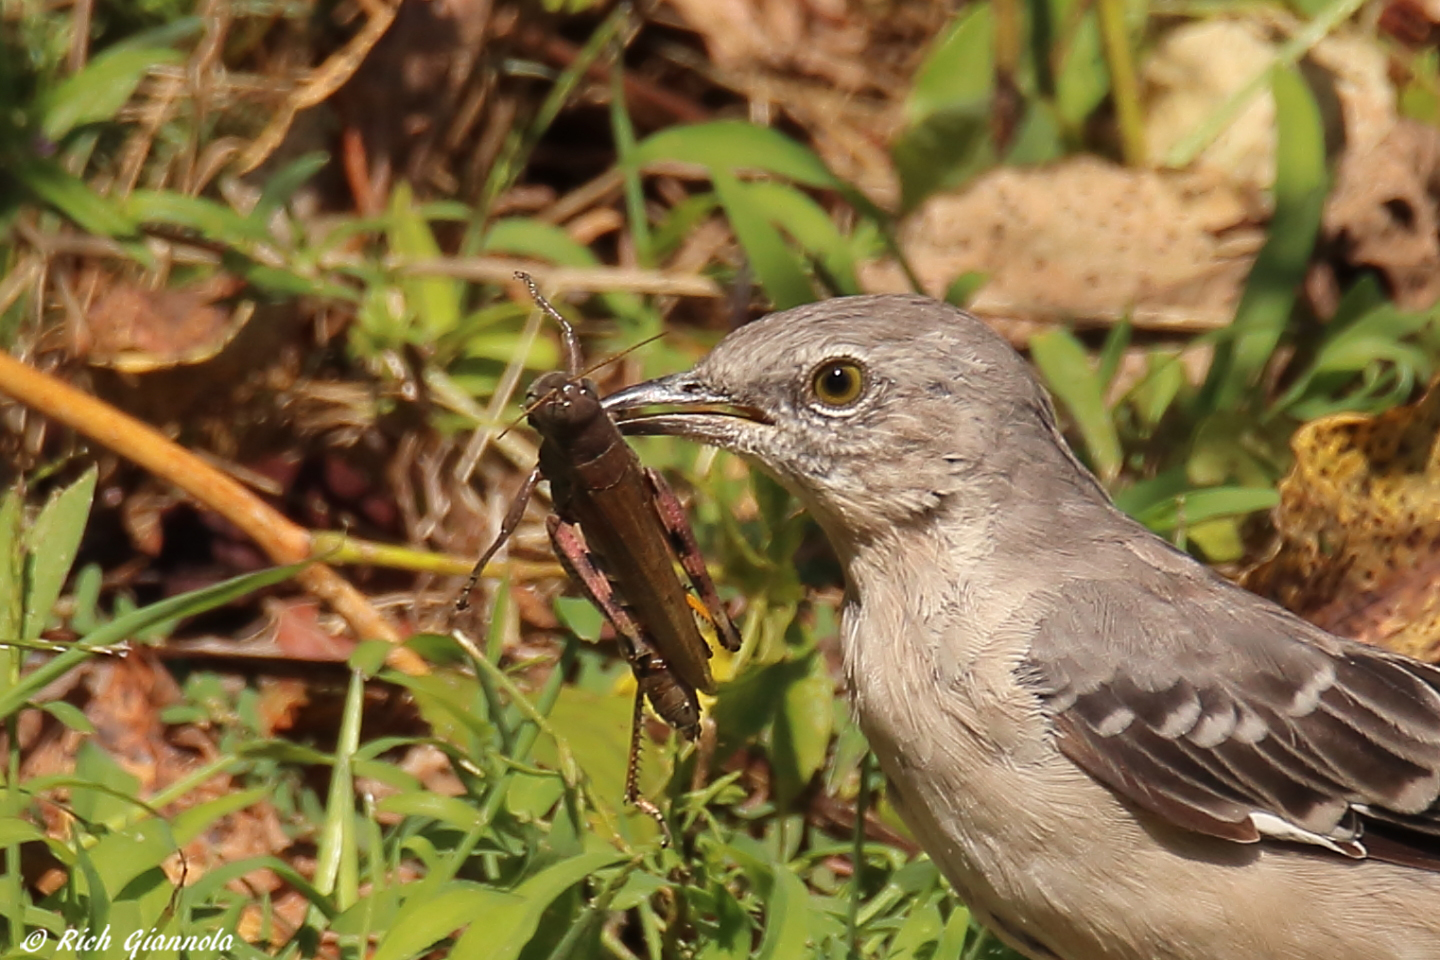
column 839, row 381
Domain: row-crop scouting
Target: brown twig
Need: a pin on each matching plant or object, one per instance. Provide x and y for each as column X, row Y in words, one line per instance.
column 323, row 81
column 285, row 542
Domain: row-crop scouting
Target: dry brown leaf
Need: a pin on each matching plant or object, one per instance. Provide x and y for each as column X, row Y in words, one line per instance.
column 1198, row 66
column 1191, row 71
column 839, row 71
column 1359, row 522
column 136, row 330
column 1385, row 211
column 811, row 37
column 1085, row 239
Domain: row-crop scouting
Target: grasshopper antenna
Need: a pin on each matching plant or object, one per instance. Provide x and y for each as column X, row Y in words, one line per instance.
column 573, row 358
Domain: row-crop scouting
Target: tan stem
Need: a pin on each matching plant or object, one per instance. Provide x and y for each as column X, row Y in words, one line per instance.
column 282, row 540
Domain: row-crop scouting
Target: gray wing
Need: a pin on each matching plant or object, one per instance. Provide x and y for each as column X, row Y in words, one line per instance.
column 1229, row 716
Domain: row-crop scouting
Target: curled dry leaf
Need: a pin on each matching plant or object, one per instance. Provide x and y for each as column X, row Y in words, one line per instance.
column 841, row 72
column 1359, row 524
column 135, row 330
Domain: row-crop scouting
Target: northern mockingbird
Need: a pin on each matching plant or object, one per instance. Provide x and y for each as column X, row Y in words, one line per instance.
column 1111, row 752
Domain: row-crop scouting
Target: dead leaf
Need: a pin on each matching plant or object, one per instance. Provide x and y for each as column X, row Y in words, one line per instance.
column 1359, row 524
column 1085, row 239
column 136, row 330
column 1193, row 70
column 1385, row 212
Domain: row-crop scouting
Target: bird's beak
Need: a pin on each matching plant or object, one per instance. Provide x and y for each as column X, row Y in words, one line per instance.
column 698, row 410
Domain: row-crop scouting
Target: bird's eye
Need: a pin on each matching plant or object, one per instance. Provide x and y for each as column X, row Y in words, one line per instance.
column 838, row 383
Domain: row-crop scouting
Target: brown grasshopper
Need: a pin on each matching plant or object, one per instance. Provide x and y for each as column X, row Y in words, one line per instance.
column 618, row 530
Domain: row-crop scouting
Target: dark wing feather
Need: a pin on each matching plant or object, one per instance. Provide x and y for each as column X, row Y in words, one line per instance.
column 1226, row 715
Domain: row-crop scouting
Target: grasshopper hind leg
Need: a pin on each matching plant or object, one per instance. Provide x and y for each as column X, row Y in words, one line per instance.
column 675, row 702
column 573, row 554
column 692, row 561
column 633, row 796
column 672, row 699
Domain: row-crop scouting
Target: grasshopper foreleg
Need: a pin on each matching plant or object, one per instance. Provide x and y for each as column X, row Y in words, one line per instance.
column 513, row 515
column 692, row 561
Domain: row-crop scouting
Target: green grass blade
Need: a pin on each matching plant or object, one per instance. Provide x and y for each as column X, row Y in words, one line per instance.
column 122, row 628
column 51, row 544
column 730, row 145
column 1066, row 368
column 1301, row 182
column 778, row 268
column 98, row 92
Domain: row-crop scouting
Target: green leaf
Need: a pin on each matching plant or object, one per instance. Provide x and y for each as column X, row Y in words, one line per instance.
column 51, row 545
column 99, row 91
column 12, row 563
column 957, row 931
column 528, row 237
column 433, row 302
column 1153, row 395
column 69, row 714
column 131, row 624
column 14, row 831
column 453, row 708
column 964, row 287
column 449, row 810
column 959, row 69
column 103, row 789
column 280, row 282
column 947, row 137
column 1362, row 339
column 812, row 227
column 282, row 185
column 802, row 730
column 74, row 198
column 921, row 927
column 779, row 270
column 129, row 863
column 508, row 928
column 752, row 700
column 787, row 926
column 579, row 617
column 1117, row 341
column 1219, row 539
column 1197, row 506
column 1083, row 80
column 193, row 821
column 731, row 145
column 942, row 151
column 1066, row 368
column 422, row 922
column 214, row 220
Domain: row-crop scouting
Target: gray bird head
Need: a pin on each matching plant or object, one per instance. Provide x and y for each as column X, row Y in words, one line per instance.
column 874, row 410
